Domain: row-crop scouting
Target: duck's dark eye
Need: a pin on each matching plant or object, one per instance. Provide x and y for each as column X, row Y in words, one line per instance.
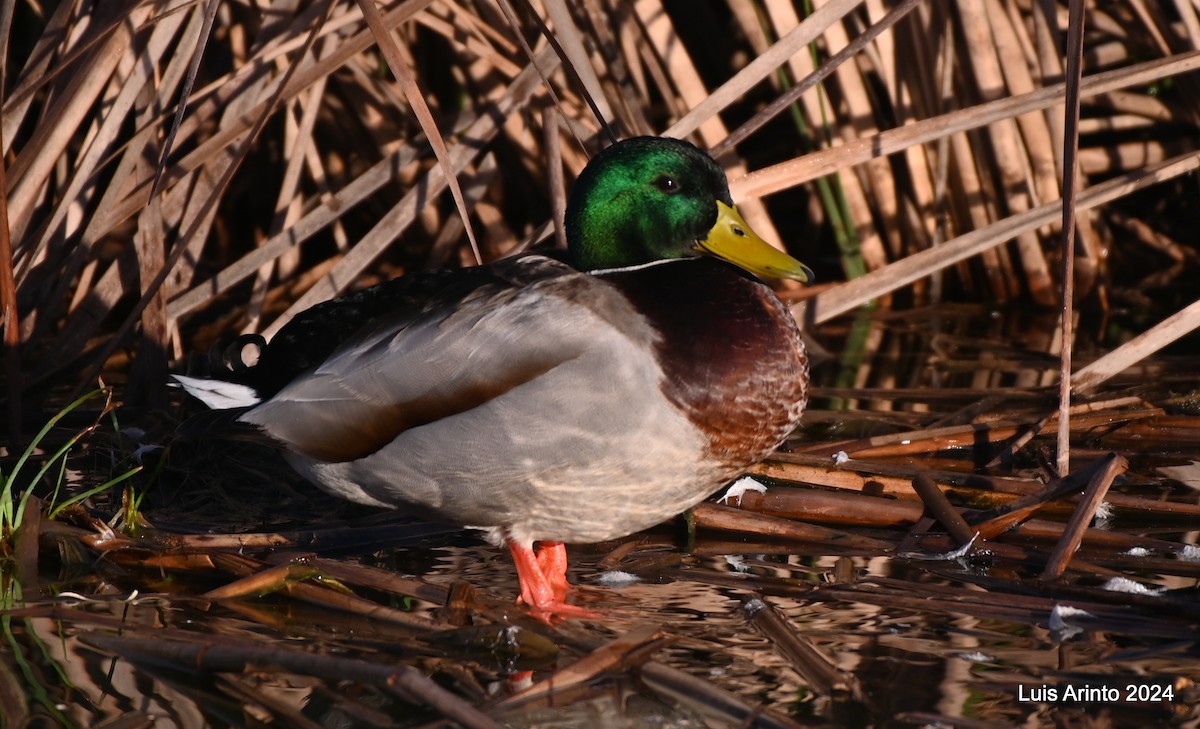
column 667, row 183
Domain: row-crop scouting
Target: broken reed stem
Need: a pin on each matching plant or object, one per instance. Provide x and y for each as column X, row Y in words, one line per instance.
column 1073, row 534
column 1021, row 509
column 285, row 578
column 1070, row 184
column 942, row 510
column 751, row 520
column 620, row 654
column 261, row 583
column 376, row 578
column 814, row 667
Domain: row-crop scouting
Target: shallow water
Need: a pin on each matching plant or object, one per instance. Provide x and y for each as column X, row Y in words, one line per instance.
column 909, row 662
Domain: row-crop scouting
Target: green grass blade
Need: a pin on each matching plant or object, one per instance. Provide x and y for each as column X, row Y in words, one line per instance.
column 55, row 511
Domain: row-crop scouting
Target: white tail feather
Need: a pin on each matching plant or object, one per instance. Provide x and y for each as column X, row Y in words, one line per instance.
column 218, row 394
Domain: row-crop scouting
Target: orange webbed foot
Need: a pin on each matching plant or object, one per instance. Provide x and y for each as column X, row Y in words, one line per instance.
column 543, row 578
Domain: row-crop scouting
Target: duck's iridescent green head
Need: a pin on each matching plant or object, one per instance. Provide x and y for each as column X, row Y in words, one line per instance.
column 653, row 198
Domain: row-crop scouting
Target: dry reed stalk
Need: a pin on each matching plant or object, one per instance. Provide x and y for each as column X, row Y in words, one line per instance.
column 261, row 583
column 379, row 579
column 1067, row 244
column 976, row 434
column 1137, row 349
column 943, row 511
column 1084, row 511
column 713, row 516
column 255, row 580
column 622, row 653
column 203, row 215
column 895, row 480
column 1021, row 509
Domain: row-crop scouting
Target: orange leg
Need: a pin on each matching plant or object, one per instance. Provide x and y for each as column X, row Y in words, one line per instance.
column 552, row 559
column 543, row 578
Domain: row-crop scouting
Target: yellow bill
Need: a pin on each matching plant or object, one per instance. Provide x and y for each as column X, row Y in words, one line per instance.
column 734, row 241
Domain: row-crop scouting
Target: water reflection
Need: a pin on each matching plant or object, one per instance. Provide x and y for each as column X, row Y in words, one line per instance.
column 910, row 661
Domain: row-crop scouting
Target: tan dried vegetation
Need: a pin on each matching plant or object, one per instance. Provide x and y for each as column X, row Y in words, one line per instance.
column 302, row 163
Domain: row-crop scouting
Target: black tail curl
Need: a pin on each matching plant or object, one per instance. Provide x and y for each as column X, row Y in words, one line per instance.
column 231, row 358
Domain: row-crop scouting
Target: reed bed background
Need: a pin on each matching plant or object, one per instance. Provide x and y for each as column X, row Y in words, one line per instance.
column 177, row 170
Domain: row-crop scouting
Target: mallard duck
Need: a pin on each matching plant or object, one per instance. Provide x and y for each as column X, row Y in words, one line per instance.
column 548, row 402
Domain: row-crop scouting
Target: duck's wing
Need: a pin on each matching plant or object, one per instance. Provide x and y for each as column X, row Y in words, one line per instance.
column 441, row 360
column 314, row 334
